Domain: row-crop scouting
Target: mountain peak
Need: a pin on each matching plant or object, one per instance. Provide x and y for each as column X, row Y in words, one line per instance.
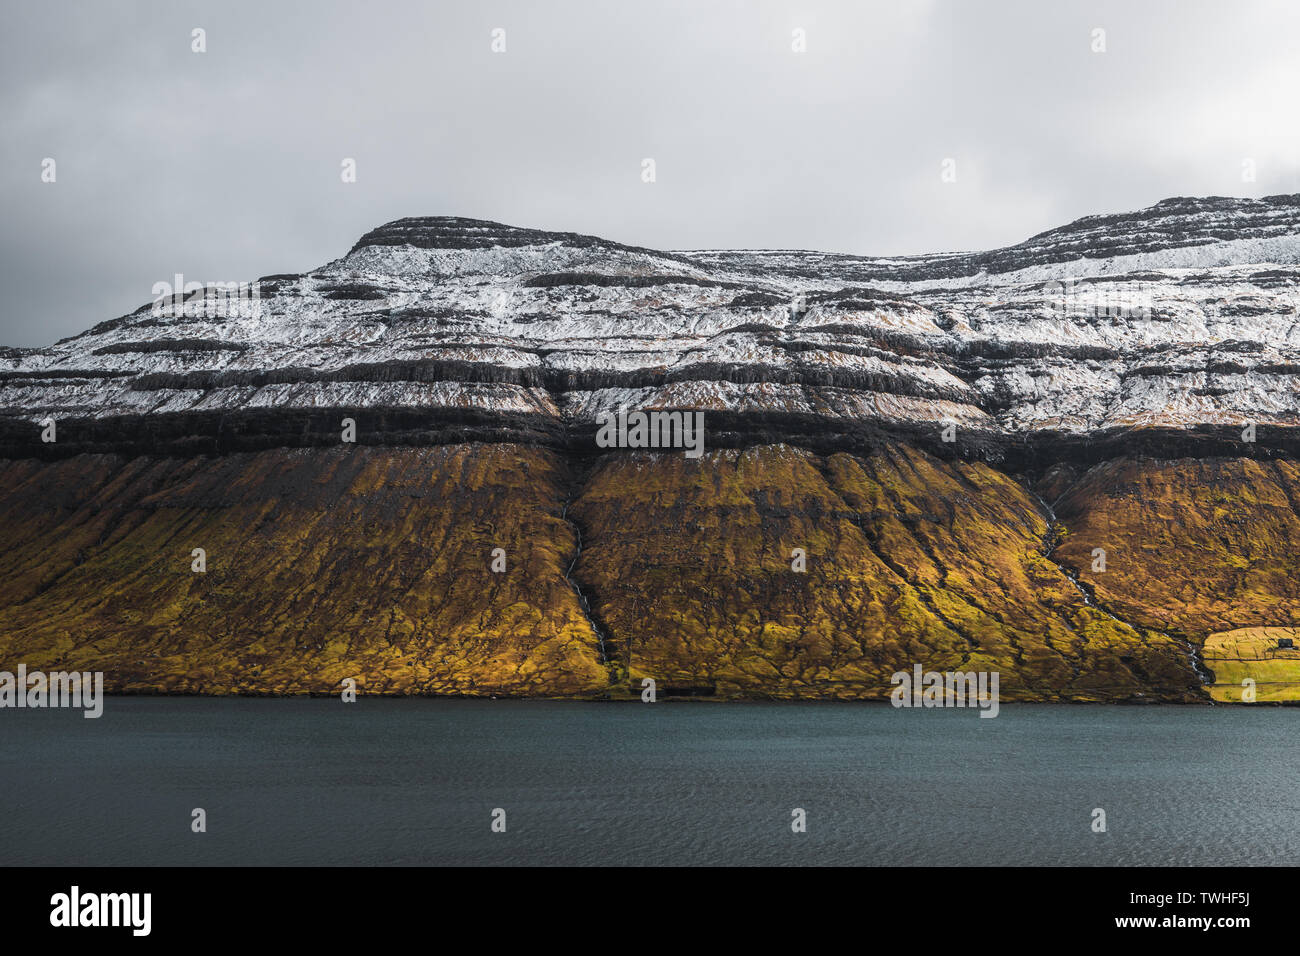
column 458, row 232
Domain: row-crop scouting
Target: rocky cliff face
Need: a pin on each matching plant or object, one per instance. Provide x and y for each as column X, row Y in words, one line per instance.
column 948, row 438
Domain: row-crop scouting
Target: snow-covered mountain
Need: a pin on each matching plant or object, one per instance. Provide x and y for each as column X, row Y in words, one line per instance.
column 1100, row 377
column 1174, row 318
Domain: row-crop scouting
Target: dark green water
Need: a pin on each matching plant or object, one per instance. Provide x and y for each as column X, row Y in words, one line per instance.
column 415, row 782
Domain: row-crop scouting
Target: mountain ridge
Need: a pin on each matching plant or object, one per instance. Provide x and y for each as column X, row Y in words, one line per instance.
column 1184, row 320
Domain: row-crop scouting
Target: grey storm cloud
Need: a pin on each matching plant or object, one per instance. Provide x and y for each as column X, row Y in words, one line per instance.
column 225, row 165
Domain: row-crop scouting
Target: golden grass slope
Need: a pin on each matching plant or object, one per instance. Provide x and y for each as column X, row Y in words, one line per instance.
column 375, row 563
column 909, row 560
column 321, row 565
column 1209, row 549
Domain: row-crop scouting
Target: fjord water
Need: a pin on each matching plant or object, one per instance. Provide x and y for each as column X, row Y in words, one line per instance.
column 384, row 781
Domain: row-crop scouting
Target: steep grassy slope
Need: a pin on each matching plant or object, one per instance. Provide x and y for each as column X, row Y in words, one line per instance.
column 909, row 560
column 1191, row 545
column 1207, row 548
column 375, row 563
column 372, row 564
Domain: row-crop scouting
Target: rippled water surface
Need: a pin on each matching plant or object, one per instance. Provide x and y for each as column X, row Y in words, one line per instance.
column 416, row 782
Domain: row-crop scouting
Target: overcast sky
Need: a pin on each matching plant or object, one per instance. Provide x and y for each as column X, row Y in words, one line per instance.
column 225, row 165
